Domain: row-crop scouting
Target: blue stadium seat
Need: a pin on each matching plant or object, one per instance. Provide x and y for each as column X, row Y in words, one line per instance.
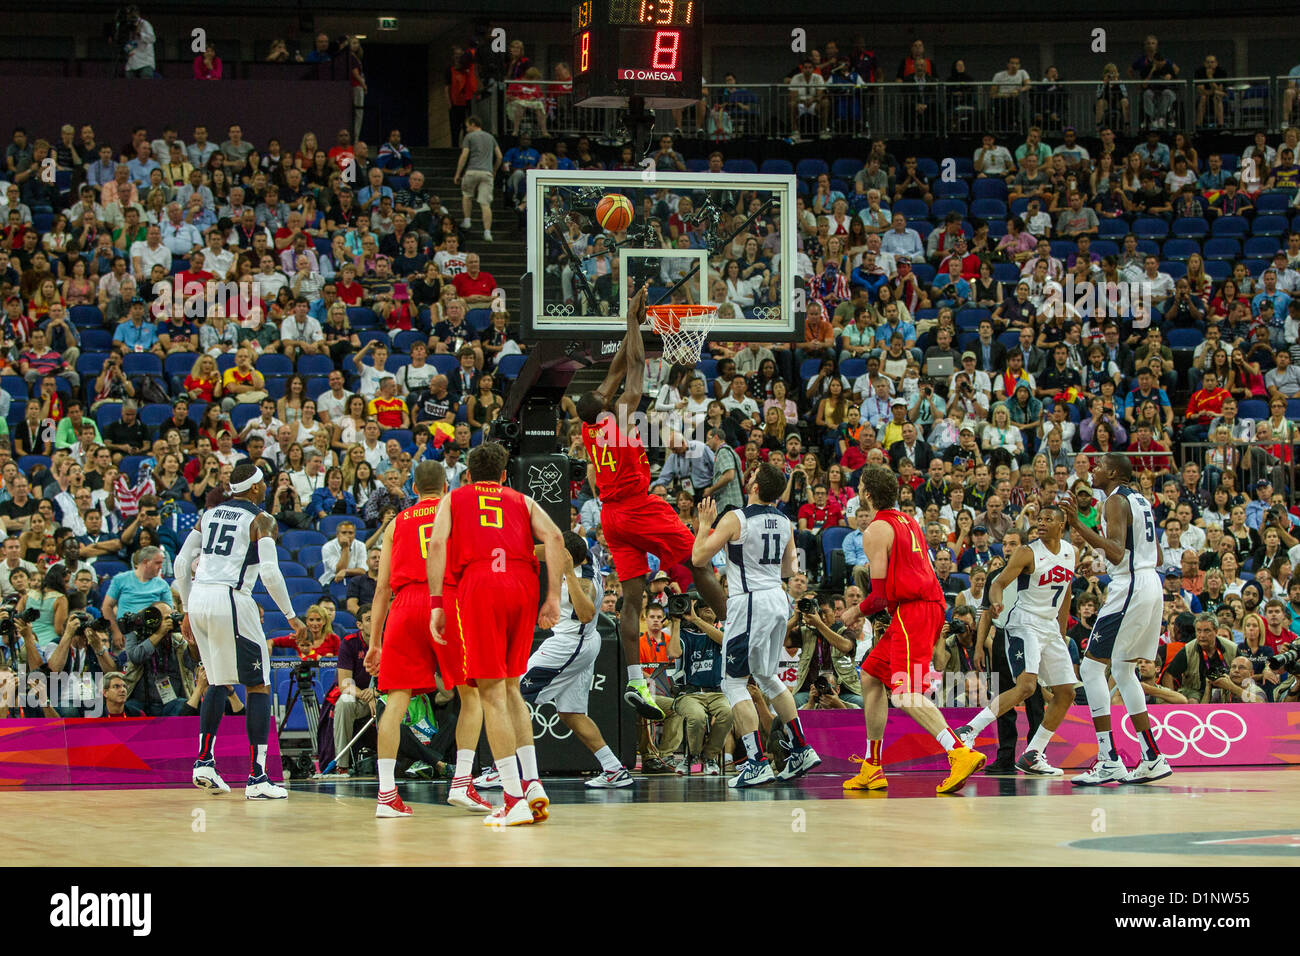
column 241, row 415
column 927, row 167
column 846, row 167
column 196, row 411
column 832, row 539
column 953, row 190
column 853, row 368
column 989, row 209
column 273, row 621
column 317, row 386
column 272, row 364
column 1112, row 227
column 924, row 272
column 107, row 568
column 912, row 208
column 1190, row 227
column 1010, row 339
column 811, row 168
column 276, row 386
column 264, row 601
column 942, row 207
column 478, row 319
column 16, row 386
column 360, row 317
column 1293, row 408
column 225, row 361
column 777, row 167
column 808, row 370
column 303, row 586
column 309, row 558
column 969, row 319
column 1218, row 269
column 1006, row 272
column 292, row 569
column 338, row 590
column 301, row 602
column 697, row 165
column 1261, row 247
column 297, row 540
column 1221, row 248
column 344, row 622
column 404, row 340
column 1253, row 408
column 1150, row 228
column 1149, row 247
column 965, row 166
column 1062, row 248
column 329, row 525
column 130, row 465
column 1184, row 338
column 742, row 166
column 1175, row 269
column 1256, row 267
column 1269, row 226
column 1105, row 247
column 89, row 364
column 27, row 462
column 151, row 416
column 106, row 413
column 988, row 189
column 1181, row 249
column 178, row 364
column 141, row 363
column 1273, row 203
column 315, row 365
column 1229, row 226
column 508, row 366
column 445, row 364
column 86, row 316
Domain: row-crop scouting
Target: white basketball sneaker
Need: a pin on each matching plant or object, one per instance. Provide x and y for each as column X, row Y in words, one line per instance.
column 1149, row 770
column 1103, row 771
column 261, row 788
column 489, row 779
column 611, row 780
column 1032, row 762
column 520, row 814
column 205, row 777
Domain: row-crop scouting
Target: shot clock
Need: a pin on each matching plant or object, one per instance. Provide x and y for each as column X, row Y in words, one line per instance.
column 645, row 48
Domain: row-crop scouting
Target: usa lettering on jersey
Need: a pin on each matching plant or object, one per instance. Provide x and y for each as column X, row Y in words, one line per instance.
column 1058, row 575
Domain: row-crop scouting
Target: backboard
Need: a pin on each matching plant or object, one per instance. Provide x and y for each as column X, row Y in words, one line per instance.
column 580, row 277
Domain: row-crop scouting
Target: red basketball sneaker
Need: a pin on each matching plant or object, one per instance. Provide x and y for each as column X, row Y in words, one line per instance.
column 514, row 812
column 390, row 805
column 537, row 799
column 464, row 795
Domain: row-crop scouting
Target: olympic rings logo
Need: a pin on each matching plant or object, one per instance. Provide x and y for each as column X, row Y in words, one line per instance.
column 766, row 312
column 1190, row 736
column 559, row 308
column 549, row 723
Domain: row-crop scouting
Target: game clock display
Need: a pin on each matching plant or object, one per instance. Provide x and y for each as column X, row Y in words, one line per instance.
column 646, row 48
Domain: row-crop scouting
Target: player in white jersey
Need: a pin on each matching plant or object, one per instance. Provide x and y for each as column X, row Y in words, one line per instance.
column 561, row 670
column 760, row 554
column 234, row 543
column 1034, row 618
column 1127, row 629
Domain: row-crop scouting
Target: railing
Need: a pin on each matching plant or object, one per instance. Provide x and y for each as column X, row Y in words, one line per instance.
column 895, row 110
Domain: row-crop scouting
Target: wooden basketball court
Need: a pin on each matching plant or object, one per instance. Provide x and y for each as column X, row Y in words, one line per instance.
column 1207, row 817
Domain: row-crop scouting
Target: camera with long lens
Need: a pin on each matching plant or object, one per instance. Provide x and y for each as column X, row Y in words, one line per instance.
column 1286, row 661
column 807, row 605
column 143, row 622
column 957, row 628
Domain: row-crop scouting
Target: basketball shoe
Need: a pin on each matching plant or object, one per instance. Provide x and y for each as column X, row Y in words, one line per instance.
column 798, row 763
column 870, row 777
column 205, row 777
column 754, row 773
column 611, row 779
column 1149, row 770
column 1102, row 771
column 963, row 762
column 1032, row 762
column 463, row 794
column 390, row 805
column 537, row 799
column 513, row 813
column 261, row 788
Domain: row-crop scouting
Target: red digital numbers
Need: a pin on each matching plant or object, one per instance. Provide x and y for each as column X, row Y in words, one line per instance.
column 667, row 43
column 584, row 51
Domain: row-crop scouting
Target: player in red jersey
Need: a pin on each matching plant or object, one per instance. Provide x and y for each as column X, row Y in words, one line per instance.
column 400, row 611
column 634, row 521
column 902, row 581
column 483, row 538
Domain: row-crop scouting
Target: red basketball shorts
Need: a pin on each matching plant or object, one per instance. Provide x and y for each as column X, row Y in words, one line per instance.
column 637, row 526
column 451, row 654
column 408, row 661
column 498, row 614
column 901, row 656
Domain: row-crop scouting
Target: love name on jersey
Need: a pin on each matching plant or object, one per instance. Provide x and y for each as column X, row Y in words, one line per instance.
column 1057, row 575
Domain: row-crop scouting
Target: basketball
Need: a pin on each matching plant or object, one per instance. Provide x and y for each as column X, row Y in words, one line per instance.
column 614, row 212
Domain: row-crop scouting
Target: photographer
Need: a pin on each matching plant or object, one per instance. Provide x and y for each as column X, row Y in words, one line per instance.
column 826, row 652
column 702, row 713
column 954, row 653
column 1202, row 665
column 1148, row 674
column 82, row 653
column 130, row 593
column 136, row 36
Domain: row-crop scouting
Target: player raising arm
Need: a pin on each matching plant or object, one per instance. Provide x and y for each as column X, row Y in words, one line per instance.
column 483, row 536
column 634, row 521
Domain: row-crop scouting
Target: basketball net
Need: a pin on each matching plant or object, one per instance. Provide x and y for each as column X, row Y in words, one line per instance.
column 683, row 328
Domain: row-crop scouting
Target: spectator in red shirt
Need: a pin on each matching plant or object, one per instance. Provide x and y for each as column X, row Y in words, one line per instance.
column 316, row 640
column 1203, row 406
column 350, row 291
column 473, row 285
column 1277, row 631
column 1152, row 456
column 815, row 517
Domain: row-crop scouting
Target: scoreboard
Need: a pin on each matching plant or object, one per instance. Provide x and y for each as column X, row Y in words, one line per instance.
column 646, row 48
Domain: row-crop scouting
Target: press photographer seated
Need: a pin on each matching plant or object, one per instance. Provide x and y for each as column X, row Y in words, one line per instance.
column 139, row 609
column 1200, row 669
column 827, row 674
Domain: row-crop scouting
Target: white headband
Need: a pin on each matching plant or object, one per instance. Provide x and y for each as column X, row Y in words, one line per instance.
column 254, row 478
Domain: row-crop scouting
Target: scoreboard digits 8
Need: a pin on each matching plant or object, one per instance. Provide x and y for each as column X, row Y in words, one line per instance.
column 646, row 48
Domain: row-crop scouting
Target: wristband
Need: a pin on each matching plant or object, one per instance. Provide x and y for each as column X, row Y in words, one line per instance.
column 435, row 601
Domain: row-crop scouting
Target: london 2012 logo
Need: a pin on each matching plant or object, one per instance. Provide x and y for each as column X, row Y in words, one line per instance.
column 544, row 483
column 1185, row 729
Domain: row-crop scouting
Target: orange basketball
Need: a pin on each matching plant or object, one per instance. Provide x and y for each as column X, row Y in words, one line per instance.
column 614, row 212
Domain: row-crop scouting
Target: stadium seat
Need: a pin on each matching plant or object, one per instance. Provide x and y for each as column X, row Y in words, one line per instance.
column 776, row 167
column 297, row 540
column 946, row 190
column 1181, row 249
column 344, row 622
column 276, row 386
column 151, row 416
column 740, row 166
column 1293, row 408
column 1112, row 227
column 107, row 568
column 1010, row 339
column 360, row 317
column 811, row 168
column 1229, row 226
column 832, row 540
column 1184, row 338
column 338, row 590
column 1150, row 228
column 924, row 273
column 478, row 319
column 912, row 208
column 372, row 335
column 1269, row 226
column 1062, row 248
column 89, row 365
column 396, row 363
column 196, row 412
column 942, row 207
column 106, row 413
column 273, row 364
column 303, row 586
column 177, row 365
column 264, row 601
column 292, row 569
column 927, row 167
column 445, row 364
column 130, row 465
column 1218, row 269
column 301, row 602
column 1260, row 247
column 404, row 340
column 988, row 189
column 27, row 462
column 697, row 165
column 808, row 370
column 241, row 415
column 853, row 368
column 1272, row 203
column 1190, row 227
column 1149, row 247
column 141, row 363
column 970, row 319
column 1176, row 269
column 1253, row 408
column 989, row 209
column 508, row 366
column 86, row 317
column 1006, row 272
column 225, row 361
column 1221, row 248
column 315, row 365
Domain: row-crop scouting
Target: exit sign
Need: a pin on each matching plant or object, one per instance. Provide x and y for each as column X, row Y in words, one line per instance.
column 388, row 23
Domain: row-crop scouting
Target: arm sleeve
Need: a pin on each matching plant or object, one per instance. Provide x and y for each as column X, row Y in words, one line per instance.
column 184, row 563
column 268, row 566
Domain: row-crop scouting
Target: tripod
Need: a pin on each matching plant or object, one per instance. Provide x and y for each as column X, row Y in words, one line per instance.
column 303, row 688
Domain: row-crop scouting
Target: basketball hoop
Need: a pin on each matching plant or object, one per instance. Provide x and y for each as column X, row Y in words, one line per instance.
column 683, row 329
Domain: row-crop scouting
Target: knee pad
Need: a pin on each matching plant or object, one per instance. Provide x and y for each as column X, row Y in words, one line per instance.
column 1130, row 688
column 770, row 687
column 735, row 689
column 1093, row 675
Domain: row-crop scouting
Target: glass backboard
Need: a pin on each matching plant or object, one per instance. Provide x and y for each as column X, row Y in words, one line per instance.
column 686, row 231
